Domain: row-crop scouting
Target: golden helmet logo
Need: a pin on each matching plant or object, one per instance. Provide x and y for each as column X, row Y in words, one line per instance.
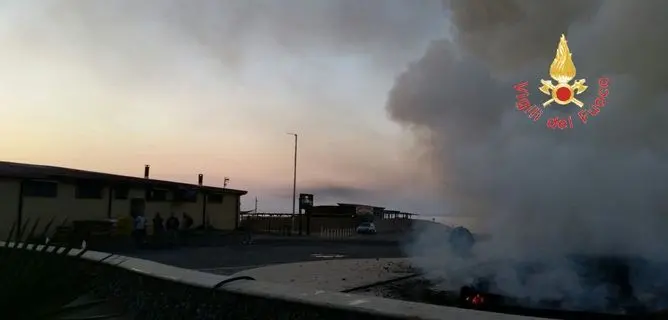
column 563, row 71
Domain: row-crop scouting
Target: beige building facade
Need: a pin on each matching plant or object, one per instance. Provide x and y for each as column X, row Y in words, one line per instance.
column 32, row 192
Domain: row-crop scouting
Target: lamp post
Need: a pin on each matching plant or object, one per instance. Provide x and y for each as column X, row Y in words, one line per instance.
column 226, row 180
column 294, row 185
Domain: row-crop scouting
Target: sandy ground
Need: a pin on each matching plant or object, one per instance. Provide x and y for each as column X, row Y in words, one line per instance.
column 332, row 275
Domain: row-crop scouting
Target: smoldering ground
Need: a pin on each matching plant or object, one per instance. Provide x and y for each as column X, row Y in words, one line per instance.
column 599, row 188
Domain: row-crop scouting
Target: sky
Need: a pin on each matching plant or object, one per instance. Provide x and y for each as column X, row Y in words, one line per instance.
column 213, row 87
column 398, row 103
column 402, row 104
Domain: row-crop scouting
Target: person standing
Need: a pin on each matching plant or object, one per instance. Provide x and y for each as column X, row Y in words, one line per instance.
column 172, row 222
column 172, row 228
column 248, row 236
column 187, row 224
column 158, row 228
column 140, row 229
column 187, row 221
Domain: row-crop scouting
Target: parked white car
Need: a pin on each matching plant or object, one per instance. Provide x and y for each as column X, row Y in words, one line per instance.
column 367, row 228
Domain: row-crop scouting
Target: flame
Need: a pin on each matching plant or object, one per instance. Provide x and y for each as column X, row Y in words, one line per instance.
column 562, row 69
column 478, row 299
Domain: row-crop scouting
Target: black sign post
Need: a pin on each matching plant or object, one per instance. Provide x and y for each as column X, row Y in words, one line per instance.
column 305, row 204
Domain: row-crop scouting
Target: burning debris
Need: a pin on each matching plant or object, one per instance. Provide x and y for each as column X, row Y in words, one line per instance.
column 567, row 287
column 604, row 279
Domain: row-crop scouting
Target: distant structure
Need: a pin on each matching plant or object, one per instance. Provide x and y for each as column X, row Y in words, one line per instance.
column 392, row 214
column 346, row 209
column 353, row 209
column 339, row 216
column 31, row 192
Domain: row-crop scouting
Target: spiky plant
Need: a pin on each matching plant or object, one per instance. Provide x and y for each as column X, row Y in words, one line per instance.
column 45, row 281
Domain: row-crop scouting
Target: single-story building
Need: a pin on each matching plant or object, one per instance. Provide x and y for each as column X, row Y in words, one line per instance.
column 393, row 214
column 342, row 215
column 29, row 192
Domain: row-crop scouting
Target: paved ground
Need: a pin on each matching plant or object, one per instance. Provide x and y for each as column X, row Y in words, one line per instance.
column 232, row 259
column 385, row 238
column 332, row 275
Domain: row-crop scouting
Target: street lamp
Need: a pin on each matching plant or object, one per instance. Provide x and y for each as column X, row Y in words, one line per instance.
column 226, row 180
column 294, row 185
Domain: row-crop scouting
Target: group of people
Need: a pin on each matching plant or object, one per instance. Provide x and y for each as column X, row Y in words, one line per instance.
column 162, row 230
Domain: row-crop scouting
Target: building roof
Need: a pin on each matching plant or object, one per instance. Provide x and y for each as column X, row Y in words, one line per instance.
column 33, row 171
column 359, row 205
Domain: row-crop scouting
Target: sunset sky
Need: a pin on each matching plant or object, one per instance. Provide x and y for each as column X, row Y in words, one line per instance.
column 213, row 86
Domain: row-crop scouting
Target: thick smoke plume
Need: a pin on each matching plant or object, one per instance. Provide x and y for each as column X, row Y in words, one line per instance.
column 597, row 188
column 232, row 31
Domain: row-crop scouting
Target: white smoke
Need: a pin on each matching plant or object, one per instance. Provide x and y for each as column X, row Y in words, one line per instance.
column 598, row 188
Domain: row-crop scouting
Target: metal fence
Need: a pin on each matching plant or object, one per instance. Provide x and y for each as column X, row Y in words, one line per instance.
column 338, row 233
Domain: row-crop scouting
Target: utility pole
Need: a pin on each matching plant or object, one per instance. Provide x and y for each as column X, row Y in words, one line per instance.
column 222, row 201
column 255, row 210
column 294, row 186
column 205, row 218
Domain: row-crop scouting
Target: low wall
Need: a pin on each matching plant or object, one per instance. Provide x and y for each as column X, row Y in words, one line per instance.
column 150, row 290
column 286, row 224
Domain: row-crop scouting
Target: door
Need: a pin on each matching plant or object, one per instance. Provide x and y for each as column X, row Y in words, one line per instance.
column 137, row 207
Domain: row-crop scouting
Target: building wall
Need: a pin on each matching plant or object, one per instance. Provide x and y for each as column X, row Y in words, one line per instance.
column 268, row 224
column 194, row 209
column 66, row 206
column 9, row 204
column 219, row 213
column 319, row 223
column 121, row 207
column 63, row 208
column 220, row 216
column 281, row 223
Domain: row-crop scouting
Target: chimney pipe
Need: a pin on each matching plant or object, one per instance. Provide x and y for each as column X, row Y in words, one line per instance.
column 200, row 179
column 147, row 168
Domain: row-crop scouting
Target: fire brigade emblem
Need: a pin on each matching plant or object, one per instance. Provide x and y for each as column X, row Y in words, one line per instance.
column 562, row 71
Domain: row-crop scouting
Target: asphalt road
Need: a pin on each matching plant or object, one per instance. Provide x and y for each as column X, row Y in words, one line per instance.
column 232, row 259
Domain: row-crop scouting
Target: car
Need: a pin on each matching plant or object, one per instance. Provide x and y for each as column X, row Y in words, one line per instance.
column 366, row 228
column 461, row 241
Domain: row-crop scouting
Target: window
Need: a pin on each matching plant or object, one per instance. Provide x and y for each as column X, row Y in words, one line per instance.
column 89, row 190
column 121, row 192
column 42, row 189
column 215, row 198
column 185, row 195
column 156, row 195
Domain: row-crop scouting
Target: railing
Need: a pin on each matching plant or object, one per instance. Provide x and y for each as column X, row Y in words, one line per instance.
column 148, row 290
column 337, row 233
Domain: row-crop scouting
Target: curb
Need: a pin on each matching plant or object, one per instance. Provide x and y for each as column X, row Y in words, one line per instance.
column 332, row 241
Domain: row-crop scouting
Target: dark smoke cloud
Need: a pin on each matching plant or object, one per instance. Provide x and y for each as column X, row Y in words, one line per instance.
column 230, row 32
column 510, row 33
column 600, row 187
